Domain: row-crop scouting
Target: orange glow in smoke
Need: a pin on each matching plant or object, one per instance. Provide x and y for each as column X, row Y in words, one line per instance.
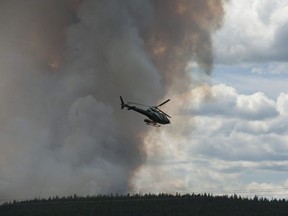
column 181, row 8
column 159, row 50
column 54, row 65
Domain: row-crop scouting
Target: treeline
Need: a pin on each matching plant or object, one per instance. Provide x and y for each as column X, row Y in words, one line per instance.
column 146, row 204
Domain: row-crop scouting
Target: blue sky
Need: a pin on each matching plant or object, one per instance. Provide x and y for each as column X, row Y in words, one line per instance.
column 236, row 141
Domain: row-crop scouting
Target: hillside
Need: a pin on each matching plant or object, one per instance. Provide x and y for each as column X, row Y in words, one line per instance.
column 162, row 204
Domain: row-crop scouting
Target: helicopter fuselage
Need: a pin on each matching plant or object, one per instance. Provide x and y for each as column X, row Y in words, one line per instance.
column 156, row 117
column 152, row 113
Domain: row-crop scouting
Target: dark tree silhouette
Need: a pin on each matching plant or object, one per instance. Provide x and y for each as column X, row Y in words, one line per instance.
column 146, row 204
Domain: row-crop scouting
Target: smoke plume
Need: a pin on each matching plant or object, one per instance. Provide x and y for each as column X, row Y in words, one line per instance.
column 63, row 65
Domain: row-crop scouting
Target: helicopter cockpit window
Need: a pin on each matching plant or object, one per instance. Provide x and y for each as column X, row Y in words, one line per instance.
column 150, row 110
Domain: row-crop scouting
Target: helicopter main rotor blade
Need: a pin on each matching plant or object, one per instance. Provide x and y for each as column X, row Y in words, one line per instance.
column 164, row 113
column 138, row 104
column 163, row 103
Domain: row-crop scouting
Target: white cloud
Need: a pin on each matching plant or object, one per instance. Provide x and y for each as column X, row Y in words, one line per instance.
column 256, row 106
column 233, row 137
column 282, row 103
column 232, row 143
column 226, row 101
column 236, row 134
column 253, row 31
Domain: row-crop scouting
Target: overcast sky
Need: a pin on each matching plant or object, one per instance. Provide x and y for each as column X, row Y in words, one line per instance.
column 237, row 140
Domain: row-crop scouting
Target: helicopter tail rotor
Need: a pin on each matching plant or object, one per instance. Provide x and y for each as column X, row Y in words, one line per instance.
column 122, row 103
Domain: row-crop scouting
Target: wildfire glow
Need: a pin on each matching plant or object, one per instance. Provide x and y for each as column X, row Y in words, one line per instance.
column 54, row 65
column 159, row 50
column 181, row 8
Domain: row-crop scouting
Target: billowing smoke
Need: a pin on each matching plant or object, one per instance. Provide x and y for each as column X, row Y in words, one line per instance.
column 181, row 32
column 63, row 65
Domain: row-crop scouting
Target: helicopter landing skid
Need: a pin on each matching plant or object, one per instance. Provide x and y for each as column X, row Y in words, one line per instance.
column 151, row 123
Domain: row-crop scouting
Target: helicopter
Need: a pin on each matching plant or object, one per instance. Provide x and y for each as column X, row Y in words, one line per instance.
column 156, row 117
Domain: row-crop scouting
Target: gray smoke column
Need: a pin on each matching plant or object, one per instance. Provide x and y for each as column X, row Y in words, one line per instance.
column 63, row 65
column 181, row 31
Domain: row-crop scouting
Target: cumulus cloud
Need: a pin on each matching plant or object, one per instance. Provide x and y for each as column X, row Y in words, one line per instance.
column 236, row 134
column 254, row 31
column 226, row 101
column 282, row 103
column 235, row 142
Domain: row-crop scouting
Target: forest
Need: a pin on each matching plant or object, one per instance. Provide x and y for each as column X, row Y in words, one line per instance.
column 146, row 204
